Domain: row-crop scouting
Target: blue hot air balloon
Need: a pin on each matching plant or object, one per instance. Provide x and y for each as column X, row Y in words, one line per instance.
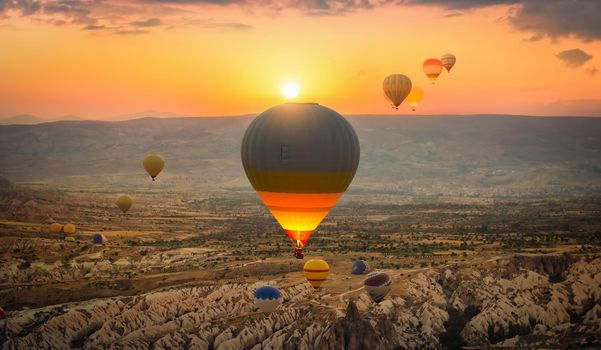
column 360, row 267
column 98, row 239
column 267, row 298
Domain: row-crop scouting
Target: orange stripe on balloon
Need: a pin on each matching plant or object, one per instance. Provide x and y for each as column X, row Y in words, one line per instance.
column 300, row 200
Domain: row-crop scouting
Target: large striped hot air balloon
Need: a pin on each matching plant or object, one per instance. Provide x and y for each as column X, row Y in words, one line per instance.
column 316, row 271
column 377, row 285
column 432, row 68
column 267, row 298
column 396, row 88
column 300, row 158
column 448, row 61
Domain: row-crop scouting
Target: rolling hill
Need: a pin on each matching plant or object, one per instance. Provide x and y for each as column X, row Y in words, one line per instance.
column 467, row 156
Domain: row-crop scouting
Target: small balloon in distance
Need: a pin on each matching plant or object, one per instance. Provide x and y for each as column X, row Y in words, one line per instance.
column 316, row 272
column 396, row 88
column 267, row 298
column 377, row 284
column 153, row 164
column 124, row 202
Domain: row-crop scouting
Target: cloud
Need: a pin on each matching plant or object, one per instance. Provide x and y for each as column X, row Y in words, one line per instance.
column 151, row 22
column 574, row 58
column 591, row 71
column 551, row 18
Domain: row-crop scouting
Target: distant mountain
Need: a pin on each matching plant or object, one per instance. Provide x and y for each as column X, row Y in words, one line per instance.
column 21, row 119
column 493, row 156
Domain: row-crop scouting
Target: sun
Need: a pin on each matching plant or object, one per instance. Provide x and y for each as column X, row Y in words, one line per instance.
column 290, row 89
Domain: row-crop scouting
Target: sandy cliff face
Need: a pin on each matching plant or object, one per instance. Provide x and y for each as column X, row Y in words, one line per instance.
column 509, row 302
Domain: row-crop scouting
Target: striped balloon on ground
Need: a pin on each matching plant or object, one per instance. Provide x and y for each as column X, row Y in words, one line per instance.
column 300, row 158
column 267, row 298
column 316, row 272
column 360, row 267
column 432, row 68
column 377, row 285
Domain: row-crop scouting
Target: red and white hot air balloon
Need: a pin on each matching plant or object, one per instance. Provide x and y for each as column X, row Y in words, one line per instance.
column 432, row 68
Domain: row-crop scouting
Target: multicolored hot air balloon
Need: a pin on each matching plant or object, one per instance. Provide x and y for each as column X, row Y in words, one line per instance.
column 69, row 228
column 377, row 285
column 300, row 158
column 56, row 227
column 448, row 61
column 124, row 202
column 98, row 239
column 396, row 88
column 267, row 298
column 432, row 68
column 316, row 271
column 415, row 97
column 153, row 164
column 360, row 267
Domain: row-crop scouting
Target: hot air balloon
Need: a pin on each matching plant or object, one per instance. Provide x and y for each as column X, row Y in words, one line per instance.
column 267, row 298
column 432, row 68
column 56, row 227
column 396, row 88
column 153, row 164
column 377, row 285
column 124, row 202
column 360, row 267
column 69, row 228
column 300, row 158
column 98, row 239
column 316, row 271
column 69, row 239
column 448, row 61
column 415, row 97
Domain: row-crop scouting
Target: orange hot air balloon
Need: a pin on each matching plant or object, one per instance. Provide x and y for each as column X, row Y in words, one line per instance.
column 300, row 158
column 56, row 227
column 432, row 68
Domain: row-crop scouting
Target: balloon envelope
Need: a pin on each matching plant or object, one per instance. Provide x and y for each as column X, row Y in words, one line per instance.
column 153, row 164
column 360, row 267
column 377, row 285
column 124, row 202
column 432, row 68
column 448, row 61
column 99, row 239
column 396, row 88
column 316, row 271
column 415, row 97
column 69, row 239
column 56, row 227
column 300, row 158
column 69, row 228
column 267, row 298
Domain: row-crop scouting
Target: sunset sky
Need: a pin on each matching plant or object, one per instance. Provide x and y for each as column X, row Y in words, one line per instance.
column 100, row 59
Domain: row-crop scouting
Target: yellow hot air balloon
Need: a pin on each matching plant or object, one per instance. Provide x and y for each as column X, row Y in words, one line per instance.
column 300, row 158
column 432, row 68
column 448, row 61
column 396, row 88
column 56, row 227
column 153, row 165
column 69, row 239
column 415, row 97
column 69, row 228
column 124, row 202
column 316, row 271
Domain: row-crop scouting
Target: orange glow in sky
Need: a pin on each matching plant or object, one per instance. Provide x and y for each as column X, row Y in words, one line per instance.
column 233, row 59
